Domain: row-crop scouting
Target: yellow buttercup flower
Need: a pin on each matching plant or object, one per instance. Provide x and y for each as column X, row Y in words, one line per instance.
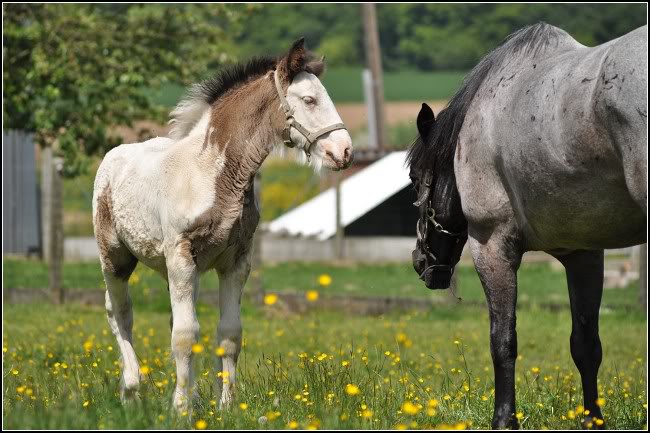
column 220, row 351
column 197, row 348
column 409, row 408
column 293, row 425
column 312, row 295
column 351, row 389
column 145, row 370
column 270, row 299
column 535, row 370
column 600, row 402
column 201, row 425
column 243, row 406
column 324, row 280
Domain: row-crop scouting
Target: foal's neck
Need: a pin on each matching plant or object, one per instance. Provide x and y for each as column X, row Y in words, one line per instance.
column 244, row 126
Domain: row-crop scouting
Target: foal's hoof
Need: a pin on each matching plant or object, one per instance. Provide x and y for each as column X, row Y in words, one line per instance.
column 181, row 404
column 129, row 389
column 129, row 395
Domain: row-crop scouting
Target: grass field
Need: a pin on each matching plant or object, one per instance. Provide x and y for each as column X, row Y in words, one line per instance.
column 538, row 283
column 319, row 370
column 345, row 84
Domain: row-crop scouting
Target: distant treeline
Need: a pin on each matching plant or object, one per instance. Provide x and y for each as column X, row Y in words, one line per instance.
column 425, row 36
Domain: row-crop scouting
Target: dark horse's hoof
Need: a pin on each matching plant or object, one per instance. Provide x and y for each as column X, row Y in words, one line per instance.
column 595, row 423
column 505, row 424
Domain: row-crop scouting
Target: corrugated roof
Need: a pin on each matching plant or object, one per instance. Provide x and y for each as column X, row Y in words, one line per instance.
column 360, row 193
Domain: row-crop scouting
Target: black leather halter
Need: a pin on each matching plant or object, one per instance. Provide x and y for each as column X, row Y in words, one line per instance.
column 460, row 237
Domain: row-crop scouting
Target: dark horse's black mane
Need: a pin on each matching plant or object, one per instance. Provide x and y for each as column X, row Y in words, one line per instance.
column 438, row 148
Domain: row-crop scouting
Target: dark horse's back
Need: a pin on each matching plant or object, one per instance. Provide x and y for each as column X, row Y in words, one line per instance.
column 562, row 134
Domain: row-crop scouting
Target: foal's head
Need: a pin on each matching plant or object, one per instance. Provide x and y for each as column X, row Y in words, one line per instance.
column 441, row 228
column 313, row 110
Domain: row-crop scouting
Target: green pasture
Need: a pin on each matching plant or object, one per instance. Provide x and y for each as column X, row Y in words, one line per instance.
column 321, row 370
column 344, row 84
column 539, row 283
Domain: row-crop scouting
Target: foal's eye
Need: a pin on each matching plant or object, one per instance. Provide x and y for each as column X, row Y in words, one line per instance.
column 309, row 100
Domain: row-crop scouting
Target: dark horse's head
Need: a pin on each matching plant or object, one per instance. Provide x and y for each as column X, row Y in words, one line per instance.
column 441, row 228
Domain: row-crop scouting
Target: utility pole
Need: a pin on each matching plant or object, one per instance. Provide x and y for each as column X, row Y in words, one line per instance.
column 338, row 242
column 373, row 62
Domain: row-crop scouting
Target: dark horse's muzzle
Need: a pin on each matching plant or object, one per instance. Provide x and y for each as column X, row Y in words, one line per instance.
column 434, row 276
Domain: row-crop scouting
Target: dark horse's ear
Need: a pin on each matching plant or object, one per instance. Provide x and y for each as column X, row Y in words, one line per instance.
column 294, row 62
column 425, row 121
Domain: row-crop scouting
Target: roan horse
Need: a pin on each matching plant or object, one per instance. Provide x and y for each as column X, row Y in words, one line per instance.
column 184, row 205
column 543, row 148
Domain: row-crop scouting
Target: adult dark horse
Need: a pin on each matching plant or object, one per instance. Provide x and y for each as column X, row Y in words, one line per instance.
column 543, row 148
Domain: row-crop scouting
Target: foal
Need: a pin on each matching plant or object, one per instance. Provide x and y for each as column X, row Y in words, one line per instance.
column 184, row 205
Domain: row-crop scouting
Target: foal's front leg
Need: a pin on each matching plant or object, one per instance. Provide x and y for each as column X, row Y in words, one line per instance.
column 497, row 266
column 229, row 331
column 183, row 291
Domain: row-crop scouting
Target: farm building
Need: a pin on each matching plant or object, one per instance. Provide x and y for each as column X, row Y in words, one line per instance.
column 377, row 216
column 376, row 201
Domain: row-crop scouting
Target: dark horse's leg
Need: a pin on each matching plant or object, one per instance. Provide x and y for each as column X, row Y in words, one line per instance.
column 497, row 261
column 584, row 271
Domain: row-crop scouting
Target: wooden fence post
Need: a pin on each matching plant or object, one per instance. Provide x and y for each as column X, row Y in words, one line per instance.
column 56, row 239
column 46, row 197
column 643, row 276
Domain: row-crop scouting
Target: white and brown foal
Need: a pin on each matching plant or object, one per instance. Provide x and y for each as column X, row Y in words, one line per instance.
column 184, row 205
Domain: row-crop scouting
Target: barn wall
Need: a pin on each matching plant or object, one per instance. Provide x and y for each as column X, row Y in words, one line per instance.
column 20, row 218
column 396, row 216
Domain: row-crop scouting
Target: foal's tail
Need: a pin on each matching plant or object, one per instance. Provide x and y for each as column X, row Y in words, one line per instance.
column 187, row 114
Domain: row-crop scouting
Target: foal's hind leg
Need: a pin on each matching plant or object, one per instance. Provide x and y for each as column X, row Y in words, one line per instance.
column 584, row 271
column 117, row 267
column 229, row 330
column 497, row 261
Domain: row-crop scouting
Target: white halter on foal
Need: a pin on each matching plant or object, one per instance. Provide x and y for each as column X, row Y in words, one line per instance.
column 311, row 137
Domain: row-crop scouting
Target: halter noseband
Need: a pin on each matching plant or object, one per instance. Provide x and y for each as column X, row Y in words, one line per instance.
column 311, row 137
column 425, row 196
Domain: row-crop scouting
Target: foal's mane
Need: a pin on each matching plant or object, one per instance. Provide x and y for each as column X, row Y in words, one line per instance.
column 202, row 95
column 438, row 148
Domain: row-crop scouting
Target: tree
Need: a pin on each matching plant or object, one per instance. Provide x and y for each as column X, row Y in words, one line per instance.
column 72, row 72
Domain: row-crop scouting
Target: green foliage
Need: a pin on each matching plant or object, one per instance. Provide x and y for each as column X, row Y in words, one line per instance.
column 428, row 36
column 72, row 72
column 273, row 27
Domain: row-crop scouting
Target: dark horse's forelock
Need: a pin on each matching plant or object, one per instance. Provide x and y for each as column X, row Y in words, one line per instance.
column 233, row 76
column 437, row 150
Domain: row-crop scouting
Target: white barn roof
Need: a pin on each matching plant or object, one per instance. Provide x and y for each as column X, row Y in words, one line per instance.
column 360, row 193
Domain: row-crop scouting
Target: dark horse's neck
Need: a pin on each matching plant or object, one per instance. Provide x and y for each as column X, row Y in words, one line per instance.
column 446, row 198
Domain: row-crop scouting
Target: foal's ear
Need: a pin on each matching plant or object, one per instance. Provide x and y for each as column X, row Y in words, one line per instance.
column 294, row 62
column 425, row 121
column 316, row 67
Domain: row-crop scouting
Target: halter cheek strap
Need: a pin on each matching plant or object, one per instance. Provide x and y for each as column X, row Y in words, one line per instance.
column 291, row 122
